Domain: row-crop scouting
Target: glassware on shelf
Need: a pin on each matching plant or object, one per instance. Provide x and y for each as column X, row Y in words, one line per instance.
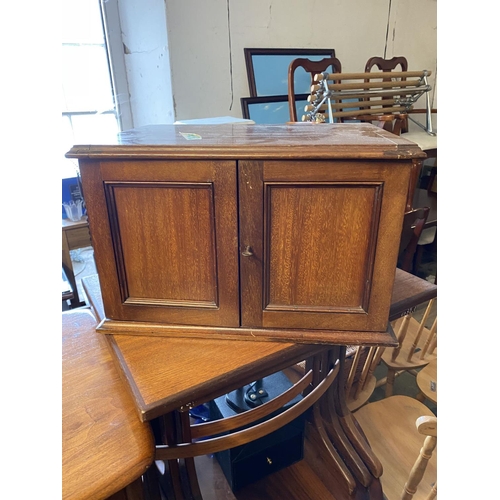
column 74, row 210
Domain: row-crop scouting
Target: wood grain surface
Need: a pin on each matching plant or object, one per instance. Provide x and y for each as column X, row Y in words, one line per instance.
column 225, row 141
column 390, row 427
column 104, row 445
column 427, row 381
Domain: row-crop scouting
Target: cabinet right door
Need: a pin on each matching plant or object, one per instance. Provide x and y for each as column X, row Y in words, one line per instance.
column 319, row 242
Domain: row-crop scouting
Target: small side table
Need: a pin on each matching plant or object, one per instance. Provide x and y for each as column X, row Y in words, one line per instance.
column 105, row 447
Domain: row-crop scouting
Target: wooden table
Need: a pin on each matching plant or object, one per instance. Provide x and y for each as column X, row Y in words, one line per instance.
column 157, row 386
column 408, row 292
column 74, row 235
column 167, row 376
column 105, row 446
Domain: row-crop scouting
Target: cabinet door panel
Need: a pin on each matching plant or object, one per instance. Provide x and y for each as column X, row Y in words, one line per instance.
column 320, row 243
column 170, row 229
column 326, row 254
column 164, row 235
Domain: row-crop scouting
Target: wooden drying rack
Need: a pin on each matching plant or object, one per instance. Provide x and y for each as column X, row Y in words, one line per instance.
column 375, row 96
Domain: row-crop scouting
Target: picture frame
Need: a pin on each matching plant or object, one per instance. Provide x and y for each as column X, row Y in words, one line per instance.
column 271, row 110
column 267, row 69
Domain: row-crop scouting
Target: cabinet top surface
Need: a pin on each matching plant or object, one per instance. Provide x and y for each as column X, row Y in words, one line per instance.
column 238, row 141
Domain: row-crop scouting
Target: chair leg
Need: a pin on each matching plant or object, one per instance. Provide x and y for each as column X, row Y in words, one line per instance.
column 417, row 259
column 389, row 385
column 420, row 397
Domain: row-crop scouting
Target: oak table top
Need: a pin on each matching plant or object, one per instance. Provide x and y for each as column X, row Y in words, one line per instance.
column 104, row 445
column 164, row 373
column 408, row 292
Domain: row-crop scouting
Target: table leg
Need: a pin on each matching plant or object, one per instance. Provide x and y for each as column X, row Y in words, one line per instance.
column 145, row 487
column 190, row 467
column 351, row 427
column 341, row 441
column 343, row 445
column 180, row 480
column 68, row 269
column 335, row 442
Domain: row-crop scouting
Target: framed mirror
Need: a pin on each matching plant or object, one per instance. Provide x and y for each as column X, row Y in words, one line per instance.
column 271, row 110
column 267, row 70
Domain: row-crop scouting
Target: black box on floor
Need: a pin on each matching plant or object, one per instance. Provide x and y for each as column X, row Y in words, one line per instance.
column 248, row 463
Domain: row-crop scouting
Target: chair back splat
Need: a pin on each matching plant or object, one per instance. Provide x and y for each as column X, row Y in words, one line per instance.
column 311, row 67
column 387, row 66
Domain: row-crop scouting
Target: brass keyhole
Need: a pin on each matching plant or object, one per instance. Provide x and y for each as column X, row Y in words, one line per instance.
column 248, row 252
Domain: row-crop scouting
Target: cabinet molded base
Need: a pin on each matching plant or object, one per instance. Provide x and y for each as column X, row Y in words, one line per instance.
column 385, row 338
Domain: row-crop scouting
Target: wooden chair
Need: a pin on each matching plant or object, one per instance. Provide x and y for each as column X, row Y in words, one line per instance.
column 427, row 382
column 376, row 97
column 417, row 348
column 361, row 361
column 311, row 67
column 427, row 240
column 389, row 65
column 395, row 123
column 426, row 139
column 426, row 197
column 361, row 381
column 395, row 428
column 413, row 226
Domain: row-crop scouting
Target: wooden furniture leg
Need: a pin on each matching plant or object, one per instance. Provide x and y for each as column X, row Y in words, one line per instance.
column 189, row 462
column 151, row 484
column 420, row 397
column 342, row 443
column 318, row 435
column 68, row 269
column 337, row 433
column 389, row 384
column 340, row 440
column 336, row 438
column 172, row 479
column 350, row 426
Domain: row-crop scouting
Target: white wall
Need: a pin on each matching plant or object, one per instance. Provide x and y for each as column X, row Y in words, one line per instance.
column 414, row 34
column 146, row 54
column 200, row 34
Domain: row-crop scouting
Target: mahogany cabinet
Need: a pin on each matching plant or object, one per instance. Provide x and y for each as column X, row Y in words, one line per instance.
column 286, row 232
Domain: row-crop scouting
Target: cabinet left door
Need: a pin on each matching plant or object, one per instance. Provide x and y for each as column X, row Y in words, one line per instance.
column 165, row 239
